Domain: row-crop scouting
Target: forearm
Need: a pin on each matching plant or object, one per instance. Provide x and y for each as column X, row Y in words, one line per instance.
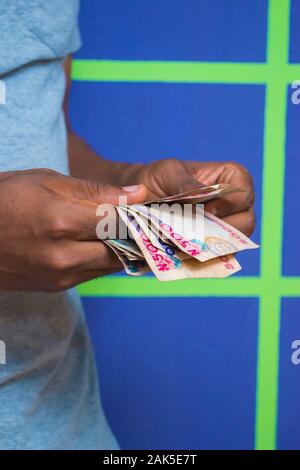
column 84, row 162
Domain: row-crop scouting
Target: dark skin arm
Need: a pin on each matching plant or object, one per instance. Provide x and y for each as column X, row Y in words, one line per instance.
column 84, row 162
column 48, row 228
column 48, row 220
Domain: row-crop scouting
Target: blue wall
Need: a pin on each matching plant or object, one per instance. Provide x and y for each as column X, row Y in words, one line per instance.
column 181, row 373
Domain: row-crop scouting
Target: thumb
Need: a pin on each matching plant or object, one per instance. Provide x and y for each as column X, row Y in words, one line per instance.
column 109, row 194
column 135, row 194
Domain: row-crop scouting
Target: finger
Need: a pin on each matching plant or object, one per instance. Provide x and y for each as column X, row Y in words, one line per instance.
column 92, row 191
column 205, row 172
column 73, row 259
column 100, row 193
column 167, row 178
column 243, row 221
column 233, row 174
column 228, row 204
column 237, row 201
column 97, row 255
column 77, row 218
column 219, row 172
column 179, row 180
column 95, row 222
column 74, row 279
column 95, row 192
column 71, row 263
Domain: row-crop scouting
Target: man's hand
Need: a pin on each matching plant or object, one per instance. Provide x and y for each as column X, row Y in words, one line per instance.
column 167, row 177
column 171, row 176
column 48, row 230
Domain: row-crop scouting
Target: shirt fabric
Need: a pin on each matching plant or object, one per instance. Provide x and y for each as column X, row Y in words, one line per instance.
column 48, row 388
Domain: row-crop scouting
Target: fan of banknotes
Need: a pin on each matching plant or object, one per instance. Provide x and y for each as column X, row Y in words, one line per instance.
column 176, row 238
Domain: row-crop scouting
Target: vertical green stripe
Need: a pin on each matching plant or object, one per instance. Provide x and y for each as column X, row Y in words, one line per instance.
column 267, row 377
column 273, row 182
column 272, row 222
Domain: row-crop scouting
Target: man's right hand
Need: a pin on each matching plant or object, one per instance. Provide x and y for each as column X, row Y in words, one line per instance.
column 48, row 230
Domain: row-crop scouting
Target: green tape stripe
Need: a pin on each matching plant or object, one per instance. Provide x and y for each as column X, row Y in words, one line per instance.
column 272, row 222
column 269, row 324
column 180, row 72
column 123, row 286
column 171, row 72
column 289, row 287
column 267, row 375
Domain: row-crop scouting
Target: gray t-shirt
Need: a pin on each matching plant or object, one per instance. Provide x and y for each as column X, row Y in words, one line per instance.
column 48, row 387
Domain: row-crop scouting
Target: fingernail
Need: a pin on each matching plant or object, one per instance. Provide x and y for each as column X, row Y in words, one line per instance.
column 213, row 211
column 131, row 189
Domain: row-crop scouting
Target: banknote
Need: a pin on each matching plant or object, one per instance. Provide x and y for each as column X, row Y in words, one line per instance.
column 217, row 238
column 165, row 236
column 199, row 194
column 127, row 246
column 156, row 237
column 131, row 267
column 169, row 268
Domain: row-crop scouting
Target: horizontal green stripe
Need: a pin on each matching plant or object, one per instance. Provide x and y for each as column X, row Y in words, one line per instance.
column 289, row 287
column 292, row 73
column 123, row 286
column 180, row 72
